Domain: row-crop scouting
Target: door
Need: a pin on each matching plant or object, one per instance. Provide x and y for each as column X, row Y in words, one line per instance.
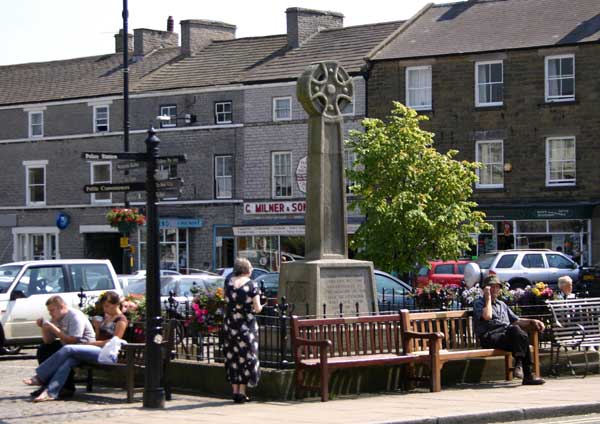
column 105, row 246
column 36, row 285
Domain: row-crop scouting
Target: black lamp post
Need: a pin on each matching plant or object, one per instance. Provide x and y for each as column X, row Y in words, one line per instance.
column 154, row 394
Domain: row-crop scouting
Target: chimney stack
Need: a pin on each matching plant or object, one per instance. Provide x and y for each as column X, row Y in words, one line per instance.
column 170, row 24
column 119, row 42
column 147, row 40
column 196, row 34
column 302, row 23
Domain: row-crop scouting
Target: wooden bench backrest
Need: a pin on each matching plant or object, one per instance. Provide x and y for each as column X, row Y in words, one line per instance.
column 349, row 336
column 456, row 326
column 568, row 314
column 135, row 334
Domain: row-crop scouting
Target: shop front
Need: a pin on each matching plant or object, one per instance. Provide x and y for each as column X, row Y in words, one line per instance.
column 567, row 229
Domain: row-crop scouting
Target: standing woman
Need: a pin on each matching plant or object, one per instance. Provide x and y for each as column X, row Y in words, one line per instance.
column 241, row 330
column 53, row 372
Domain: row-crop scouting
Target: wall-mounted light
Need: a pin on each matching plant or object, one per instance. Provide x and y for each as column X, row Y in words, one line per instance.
column 507, row 167
column 187, row 118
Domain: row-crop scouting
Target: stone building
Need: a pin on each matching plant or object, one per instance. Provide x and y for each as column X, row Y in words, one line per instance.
column 513, row 84
column 233, row 112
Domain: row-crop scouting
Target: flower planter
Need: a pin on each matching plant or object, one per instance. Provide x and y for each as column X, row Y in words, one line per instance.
column 126, row 227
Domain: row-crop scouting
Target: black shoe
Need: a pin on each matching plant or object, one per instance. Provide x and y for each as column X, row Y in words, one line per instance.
column 66, row 393
column 532, row 380
column 240, row 398
column 37, row 392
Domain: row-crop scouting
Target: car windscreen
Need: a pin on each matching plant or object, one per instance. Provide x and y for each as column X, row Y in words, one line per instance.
column 485, row 261
column 7, row 276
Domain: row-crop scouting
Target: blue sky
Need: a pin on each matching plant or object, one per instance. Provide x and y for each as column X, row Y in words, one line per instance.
column 43, row 30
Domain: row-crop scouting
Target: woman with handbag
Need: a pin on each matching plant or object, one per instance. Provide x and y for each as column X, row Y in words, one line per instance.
column 53, row 372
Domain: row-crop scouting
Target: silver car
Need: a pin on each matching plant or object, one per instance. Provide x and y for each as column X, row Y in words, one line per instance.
column 522, row 267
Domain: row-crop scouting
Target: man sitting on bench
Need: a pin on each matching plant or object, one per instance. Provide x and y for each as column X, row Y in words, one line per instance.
column 497, row 327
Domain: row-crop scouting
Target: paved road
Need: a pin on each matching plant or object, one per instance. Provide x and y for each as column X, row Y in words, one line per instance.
column 579, row 419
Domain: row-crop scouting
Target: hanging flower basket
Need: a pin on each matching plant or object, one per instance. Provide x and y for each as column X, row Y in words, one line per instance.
column 126, row 220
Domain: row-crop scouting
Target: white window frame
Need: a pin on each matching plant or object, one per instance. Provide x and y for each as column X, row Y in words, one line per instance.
column 478, row 159
column 164, row 111
column 488, row 83
column 559, row 98
column 223, row 177
column 407, row 88
column 561, row 182
column 275, row 110
column 96, row 130
column 33, row 165
column 22, row 242
column 93, row 180
column 41, row 125
column 274, row 176
column 219, row 114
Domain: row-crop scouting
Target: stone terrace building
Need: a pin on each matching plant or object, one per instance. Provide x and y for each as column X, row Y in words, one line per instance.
column 233, row 112
column 513, row 84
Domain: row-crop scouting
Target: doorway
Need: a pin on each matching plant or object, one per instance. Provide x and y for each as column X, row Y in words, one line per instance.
column 104, row 246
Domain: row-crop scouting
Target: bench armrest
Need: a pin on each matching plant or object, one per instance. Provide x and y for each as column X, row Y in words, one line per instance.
column 420, row 335
column 306, row 342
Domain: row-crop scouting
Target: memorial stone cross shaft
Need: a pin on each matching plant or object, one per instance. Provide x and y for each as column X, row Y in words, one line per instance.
column 324, row 90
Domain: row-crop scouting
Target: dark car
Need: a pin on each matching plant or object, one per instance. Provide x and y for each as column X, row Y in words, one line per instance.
column 590, row 281
column 392, row 293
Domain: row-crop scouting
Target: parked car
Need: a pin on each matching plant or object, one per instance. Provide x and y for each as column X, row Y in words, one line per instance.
column 256, row 272
column 180, row 285
column 590, row 281
column 391, row 291
column 25, row 287
column 442, row 272
column 163, row 272
column 522, row 267
column 189, row 271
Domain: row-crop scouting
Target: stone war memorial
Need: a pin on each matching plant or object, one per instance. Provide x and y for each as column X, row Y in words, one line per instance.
column 327, row 282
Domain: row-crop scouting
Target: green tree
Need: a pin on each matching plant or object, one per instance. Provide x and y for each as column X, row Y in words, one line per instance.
column 416, row 200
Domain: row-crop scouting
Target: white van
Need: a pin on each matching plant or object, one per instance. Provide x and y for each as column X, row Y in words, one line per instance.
column 25, row 287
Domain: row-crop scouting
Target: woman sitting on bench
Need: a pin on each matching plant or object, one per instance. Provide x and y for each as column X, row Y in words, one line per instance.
column 54, row 371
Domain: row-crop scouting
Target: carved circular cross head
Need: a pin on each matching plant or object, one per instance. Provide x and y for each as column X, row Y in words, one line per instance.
column 325, row 88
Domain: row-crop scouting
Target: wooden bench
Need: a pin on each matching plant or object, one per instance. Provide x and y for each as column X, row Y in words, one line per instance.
column 329, row 344
column 131, row 357
column 575, row 325
column 457, row 341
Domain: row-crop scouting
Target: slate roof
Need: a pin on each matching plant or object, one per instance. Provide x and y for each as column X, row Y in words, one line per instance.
column 349, row 46
column 492, row 25
column 220, row 63
column 75, row 78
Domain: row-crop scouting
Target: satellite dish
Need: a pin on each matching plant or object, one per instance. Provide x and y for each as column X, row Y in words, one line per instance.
column 472, row 274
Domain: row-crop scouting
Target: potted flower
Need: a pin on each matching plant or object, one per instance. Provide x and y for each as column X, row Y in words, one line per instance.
column 125, row 219
column 207, row 313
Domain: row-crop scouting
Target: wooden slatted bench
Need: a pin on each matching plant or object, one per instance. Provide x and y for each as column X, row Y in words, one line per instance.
column 131, row 357
column 575, row 325
column 329, row 344
column 458, row 341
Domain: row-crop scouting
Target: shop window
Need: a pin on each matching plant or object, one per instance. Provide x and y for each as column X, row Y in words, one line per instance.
column 537, row 226
column 174, row 248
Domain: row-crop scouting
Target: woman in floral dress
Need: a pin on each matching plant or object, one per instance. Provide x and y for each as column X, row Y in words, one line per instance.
column 241, row 330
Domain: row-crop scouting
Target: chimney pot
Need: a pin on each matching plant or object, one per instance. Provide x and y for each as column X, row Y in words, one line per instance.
column 170, row 24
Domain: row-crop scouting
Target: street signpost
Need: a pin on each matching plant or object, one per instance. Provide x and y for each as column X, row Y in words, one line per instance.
column 154, row 394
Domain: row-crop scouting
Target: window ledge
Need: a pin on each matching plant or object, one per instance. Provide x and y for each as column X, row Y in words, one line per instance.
column 491, row 189
column 562, row 187
column 550, row 104
column 489, row 108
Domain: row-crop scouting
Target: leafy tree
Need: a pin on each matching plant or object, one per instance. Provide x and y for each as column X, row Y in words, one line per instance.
column 415, row 199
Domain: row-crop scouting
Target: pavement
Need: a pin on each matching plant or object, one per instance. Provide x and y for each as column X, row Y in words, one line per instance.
column 465, row 403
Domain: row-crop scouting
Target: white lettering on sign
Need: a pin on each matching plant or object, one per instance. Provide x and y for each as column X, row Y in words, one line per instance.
column 271, row 208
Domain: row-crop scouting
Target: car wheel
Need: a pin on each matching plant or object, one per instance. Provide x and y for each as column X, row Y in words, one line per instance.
column 10, row 350
column 518, row 283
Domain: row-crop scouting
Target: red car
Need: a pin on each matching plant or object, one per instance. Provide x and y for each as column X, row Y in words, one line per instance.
column 442, row 272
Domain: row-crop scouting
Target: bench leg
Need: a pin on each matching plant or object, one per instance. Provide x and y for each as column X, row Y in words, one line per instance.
column 508, row 367
column 324, row 384
column 130, row 381
column 89, row 380
column 299, row 377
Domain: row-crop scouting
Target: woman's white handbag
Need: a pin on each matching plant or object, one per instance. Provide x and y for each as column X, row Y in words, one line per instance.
column 110, row 351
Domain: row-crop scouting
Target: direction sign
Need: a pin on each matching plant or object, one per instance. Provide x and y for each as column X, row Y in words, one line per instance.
column 116, row 187
column 171, row 183
column 114, row 156
column 128, row 165
column 171, row 160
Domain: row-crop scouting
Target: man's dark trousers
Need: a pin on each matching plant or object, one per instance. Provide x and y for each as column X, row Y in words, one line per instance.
column 46, row 350
column 512, row 338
